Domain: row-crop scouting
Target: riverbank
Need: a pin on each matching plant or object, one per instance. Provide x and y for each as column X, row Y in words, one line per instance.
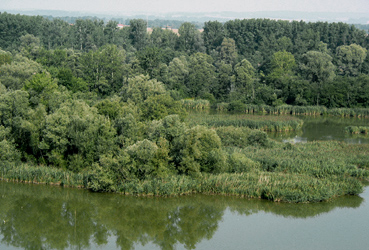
column 310, row 172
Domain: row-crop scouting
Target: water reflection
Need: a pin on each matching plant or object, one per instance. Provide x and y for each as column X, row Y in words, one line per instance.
column 44, row 217
column 324, row 129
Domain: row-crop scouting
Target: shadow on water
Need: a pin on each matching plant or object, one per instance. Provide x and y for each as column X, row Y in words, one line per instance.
column 44, row 217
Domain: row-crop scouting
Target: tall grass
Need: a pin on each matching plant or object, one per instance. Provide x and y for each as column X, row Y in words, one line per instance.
column 261, row 122
column 270, row 186
column 285, row 110
column 350, row 112
column 197, row 104
column 298, row 110
column 42, row 174
column 317, row 159
column 222, row 106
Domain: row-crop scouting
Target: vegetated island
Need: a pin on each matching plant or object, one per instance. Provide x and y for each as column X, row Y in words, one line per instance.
column 95, row 106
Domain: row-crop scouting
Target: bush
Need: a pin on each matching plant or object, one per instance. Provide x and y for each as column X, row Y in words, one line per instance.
column 197, row 151
column 236, row 106
column 258, row 138
column 239, row 163
column 234, row 136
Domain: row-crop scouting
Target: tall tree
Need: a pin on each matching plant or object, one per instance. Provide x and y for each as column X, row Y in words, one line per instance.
column 317, row 66
column 103, row 68
column 350, row 58
column 225, row 81
column 213, row 35
column 201, row 75
column 163, row 38
column 319, row 69
column 178, row 73
column 190, row 39
column 228, row 52
column 244, row 81
column 138, row 33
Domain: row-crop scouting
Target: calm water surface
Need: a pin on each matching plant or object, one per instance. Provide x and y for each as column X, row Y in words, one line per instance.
column 324, row 129
column 47, row 217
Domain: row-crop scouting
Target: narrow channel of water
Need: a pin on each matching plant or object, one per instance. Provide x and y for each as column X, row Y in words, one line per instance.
column 47, row 217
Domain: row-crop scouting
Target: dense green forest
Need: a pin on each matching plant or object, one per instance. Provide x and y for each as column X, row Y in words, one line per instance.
column 256, row 61
column 103, row 104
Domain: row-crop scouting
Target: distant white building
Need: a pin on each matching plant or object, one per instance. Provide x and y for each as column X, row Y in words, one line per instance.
column 121, row 26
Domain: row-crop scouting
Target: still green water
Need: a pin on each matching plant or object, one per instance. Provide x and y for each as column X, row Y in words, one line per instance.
column 48, row 217
column 322, row 128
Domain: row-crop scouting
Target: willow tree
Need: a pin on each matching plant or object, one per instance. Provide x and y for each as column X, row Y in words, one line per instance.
column 244, row 81
column 350, row 58
column 318, row 68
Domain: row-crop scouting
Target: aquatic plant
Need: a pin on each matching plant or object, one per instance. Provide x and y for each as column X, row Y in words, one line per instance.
column 42, row 174
column 297, row 110
column 261, row 122
column 197, row 104
column 357, row 130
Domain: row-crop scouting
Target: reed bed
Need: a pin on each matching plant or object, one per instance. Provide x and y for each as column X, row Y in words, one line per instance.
column 270, row 186
column 42, row 175
column 196, row 104
column 298, row 110
column 317, row 159
column 357, row 130
column 261, row 122
column 284, row 110
column 350, row 112
column 222, row 106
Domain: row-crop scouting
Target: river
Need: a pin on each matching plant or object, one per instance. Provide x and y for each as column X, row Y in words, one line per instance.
column 49, row 217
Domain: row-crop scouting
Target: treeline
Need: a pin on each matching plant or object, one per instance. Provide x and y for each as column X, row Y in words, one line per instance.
column 363, row 27
column 174, row 24
column 256, row 61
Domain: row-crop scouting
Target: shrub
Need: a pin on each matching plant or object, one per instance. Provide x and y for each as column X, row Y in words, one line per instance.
column 239, row 163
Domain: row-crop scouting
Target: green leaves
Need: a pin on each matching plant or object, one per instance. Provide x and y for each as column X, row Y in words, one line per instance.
column 317, row 66
column 5, row 57
column 140, row 88
column 105, row 64
column 244, row 80
column 201, row 74
column 350, row 58
column 200, row 150
column 190, row 40
column 138, row 33
column 14, row 75
column 76, row 128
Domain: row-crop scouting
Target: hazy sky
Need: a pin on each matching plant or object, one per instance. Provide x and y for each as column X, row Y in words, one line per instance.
column 189, row 5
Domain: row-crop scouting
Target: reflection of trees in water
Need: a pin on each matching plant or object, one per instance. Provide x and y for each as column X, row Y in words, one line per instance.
column 293, row 210
column 36, row 217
